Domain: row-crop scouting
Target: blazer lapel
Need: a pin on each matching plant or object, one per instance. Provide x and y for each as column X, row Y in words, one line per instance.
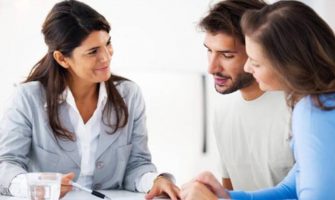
column 106, row 140
column 70, row 149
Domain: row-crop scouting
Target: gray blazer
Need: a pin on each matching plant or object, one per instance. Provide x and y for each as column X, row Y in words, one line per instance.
column 27, row 143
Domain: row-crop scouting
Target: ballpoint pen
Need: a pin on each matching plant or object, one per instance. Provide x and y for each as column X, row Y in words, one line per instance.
column 93, row 192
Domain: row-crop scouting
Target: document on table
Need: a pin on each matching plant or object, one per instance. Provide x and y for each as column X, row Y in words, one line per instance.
column 82, row 195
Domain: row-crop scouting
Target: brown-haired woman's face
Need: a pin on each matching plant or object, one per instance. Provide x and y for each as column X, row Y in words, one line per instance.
column 261, row 67
column 90, row 62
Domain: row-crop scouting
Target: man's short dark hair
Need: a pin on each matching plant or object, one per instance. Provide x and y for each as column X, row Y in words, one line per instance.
column 225, row 17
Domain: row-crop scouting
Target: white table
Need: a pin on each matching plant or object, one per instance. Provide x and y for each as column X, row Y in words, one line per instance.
column 80, row 195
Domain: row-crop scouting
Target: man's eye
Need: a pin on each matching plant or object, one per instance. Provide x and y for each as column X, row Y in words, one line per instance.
column 228, row 55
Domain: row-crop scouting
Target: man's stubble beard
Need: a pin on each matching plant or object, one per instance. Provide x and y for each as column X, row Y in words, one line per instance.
column 242, row 80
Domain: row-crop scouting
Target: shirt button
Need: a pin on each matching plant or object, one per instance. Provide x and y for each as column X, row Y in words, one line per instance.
column 97, row 186
column 99, row 164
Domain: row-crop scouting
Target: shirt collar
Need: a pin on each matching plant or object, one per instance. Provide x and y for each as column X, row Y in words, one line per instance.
column 70, row 99
column 67, row 96
column 102, row 94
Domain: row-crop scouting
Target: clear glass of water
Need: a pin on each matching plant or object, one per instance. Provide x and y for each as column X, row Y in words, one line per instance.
column 44, row 186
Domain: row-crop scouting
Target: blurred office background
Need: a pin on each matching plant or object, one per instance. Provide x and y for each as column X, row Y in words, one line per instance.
column 158, row 45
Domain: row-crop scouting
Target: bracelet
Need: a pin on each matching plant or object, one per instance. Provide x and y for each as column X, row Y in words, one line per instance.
column 158, row 177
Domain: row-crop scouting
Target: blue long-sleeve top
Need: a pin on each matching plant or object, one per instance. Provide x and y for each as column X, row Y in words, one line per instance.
column 313, row 176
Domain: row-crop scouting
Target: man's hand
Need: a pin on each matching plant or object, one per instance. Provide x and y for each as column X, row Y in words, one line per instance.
column 208, row 179
column 204, row 186
column 163, row 186
column 195, row 190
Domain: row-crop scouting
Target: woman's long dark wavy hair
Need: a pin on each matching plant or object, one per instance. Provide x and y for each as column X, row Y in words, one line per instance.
column 69, row 23
column 300, row 46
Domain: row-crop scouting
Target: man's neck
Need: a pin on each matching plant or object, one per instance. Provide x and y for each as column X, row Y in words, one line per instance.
column 251, row 92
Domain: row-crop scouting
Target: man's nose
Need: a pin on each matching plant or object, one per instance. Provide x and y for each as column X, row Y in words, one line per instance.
column 214, row 66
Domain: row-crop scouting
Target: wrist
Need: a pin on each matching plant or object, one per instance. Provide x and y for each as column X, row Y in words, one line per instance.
column 224, row 194
column 166, row 176
column 157, row 178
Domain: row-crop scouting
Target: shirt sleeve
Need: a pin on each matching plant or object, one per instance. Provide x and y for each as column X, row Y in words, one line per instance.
column 284, row 190
column 146, row 181
column 18, row 186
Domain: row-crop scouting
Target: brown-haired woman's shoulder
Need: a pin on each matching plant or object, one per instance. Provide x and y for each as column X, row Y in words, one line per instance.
column 31, row 89
column 127, row 87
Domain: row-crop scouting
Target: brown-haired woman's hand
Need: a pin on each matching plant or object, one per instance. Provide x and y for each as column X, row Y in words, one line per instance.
column 163, row 187
column 65, row 183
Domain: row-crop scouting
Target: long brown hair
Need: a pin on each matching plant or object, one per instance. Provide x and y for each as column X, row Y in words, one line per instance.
column 300, row 46
column 68, row 23
column 225, row 17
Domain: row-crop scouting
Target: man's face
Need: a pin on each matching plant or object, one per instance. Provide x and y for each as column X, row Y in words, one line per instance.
column 226, row 58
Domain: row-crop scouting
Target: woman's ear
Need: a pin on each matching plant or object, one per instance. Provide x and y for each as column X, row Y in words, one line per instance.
column 60, row 59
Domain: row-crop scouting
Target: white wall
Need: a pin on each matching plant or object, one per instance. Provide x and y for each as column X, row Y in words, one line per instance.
column 157, row 45
column 146, row 35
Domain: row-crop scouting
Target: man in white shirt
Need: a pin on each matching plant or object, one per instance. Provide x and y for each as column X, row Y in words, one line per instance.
column 251, row 126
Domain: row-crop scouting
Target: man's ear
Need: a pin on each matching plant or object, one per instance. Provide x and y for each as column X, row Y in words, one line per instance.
column 60, row 59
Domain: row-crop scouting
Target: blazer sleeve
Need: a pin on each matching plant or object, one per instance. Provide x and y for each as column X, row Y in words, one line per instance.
column 139, row 161
column 15, row 140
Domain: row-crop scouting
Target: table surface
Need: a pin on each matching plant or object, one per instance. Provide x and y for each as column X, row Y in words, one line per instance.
column 81, row 195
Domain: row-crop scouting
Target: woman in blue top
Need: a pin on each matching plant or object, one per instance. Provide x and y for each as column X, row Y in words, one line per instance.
column 291, row 48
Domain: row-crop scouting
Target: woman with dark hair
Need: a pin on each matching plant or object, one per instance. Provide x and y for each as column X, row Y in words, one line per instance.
column 291, row 48
column 74, row 117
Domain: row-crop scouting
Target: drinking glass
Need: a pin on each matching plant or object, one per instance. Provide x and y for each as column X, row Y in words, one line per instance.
column 44, row 186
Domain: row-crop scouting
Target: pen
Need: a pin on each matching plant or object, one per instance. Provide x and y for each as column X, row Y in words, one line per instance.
column 93, row 192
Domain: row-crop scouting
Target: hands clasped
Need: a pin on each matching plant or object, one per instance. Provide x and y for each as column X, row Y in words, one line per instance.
column 204, row 187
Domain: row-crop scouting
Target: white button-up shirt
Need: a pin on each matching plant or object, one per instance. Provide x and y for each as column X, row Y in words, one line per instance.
column 87, row 134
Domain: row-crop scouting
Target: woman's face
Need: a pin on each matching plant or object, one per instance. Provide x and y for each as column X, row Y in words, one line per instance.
column 261, row 67
column 89, row 62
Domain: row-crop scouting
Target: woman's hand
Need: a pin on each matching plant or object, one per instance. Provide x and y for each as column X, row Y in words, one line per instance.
column 195, row 190
column 65, row 183
column 204, row 186
column 208, row 179
column 163, row 186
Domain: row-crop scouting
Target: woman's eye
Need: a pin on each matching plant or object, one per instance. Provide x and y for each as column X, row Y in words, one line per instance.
column 255, row 65
column 92, row 52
